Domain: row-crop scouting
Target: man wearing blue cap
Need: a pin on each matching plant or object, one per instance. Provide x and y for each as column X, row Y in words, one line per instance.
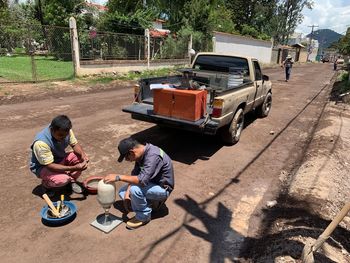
column 152, row 178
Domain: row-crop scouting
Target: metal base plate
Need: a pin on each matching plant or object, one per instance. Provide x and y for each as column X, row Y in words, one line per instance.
column 113, row 223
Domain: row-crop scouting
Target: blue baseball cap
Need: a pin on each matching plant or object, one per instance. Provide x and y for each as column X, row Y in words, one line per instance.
column 125, row 146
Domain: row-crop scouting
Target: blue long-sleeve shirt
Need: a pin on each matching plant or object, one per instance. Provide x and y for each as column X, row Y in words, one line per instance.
column 156, row 167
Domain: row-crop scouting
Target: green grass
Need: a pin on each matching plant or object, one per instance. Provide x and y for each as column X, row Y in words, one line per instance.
column 19, row 68
column 133, row 75
column 342, row 85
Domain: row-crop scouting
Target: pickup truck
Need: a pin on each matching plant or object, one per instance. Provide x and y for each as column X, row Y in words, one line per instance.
column 234, row 86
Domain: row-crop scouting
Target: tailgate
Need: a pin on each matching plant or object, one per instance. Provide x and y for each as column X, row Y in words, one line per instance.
column 144, row 112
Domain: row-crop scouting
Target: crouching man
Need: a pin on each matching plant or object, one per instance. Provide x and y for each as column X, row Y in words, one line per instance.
column 49, row 160
column 152, row 179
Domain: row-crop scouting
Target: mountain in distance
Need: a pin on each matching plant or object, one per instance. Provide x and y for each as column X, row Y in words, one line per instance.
column 325, row 37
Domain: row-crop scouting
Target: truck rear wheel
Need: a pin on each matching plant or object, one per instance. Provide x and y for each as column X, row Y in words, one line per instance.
column 265, row 107
column 231, row 133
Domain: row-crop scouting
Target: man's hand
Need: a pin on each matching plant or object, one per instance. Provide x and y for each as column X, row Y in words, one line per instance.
column 110, row 178
column 85, row 157
column 81, row 166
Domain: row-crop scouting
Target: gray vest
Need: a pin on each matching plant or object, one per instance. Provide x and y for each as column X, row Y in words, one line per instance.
column 57, row 148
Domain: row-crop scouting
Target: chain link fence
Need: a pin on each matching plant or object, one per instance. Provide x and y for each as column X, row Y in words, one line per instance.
column 35, row 53
column 169, row 48
column 110, row 46
column 115, row 46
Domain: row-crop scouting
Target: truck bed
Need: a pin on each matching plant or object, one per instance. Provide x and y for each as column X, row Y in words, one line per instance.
column 144, row 112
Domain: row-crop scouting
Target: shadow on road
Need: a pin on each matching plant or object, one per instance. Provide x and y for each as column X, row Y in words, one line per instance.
column 181, row 146
column 56, row 194
column 293, row 216
column 285, row 227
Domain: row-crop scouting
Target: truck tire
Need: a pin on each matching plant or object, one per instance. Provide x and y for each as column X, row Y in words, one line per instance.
column 265, row 107
column 231, row 133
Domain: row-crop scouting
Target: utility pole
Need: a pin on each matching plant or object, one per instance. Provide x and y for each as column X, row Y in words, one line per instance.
column 309, row 48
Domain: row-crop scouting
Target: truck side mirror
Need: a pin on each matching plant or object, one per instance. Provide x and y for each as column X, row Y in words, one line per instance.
column 265, row 78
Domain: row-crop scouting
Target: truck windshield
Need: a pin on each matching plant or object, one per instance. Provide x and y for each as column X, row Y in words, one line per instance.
column 221, row 63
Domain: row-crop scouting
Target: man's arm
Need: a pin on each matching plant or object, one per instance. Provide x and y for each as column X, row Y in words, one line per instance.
column 131, row 179
column 45, row 157
column 56, row 167
column 78, row 150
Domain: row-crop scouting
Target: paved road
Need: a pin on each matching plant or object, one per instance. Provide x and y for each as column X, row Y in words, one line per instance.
column 220, row 191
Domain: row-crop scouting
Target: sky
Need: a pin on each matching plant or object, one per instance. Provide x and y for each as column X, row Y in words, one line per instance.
column 326, row 14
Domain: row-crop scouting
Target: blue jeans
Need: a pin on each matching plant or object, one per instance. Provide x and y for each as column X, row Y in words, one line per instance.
column 140, row 195
column 288, row 70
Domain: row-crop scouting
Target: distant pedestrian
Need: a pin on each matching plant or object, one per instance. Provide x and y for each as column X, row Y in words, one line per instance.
column 335, row 64
column 287, row 64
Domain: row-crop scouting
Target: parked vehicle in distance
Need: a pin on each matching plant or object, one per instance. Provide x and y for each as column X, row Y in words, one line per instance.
column 211, row 97
column 325, row 59
column 340, row 61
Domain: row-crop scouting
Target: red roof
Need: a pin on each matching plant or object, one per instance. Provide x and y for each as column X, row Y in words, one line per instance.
column 157, row 33
column 97, row 6
column 160, row 21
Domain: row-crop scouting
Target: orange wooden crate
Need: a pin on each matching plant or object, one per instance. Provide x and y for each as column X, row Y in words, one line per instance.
column 182, row 104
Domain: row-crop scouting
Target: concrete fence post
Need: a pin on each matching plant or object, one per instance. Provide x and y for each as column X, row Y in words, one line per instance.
column 189, row 51
column 214, row 43
column 271, row 49
column 32, row 59
column 74, row 45
column 148, row 41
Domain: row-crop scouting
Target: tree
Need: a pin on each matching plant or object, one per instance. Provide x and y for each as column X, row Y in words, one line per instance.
column 287, row 18
column 344, row 43
column 17, row 28
column 253, row 17
column 3, row 4
column 344, row 47
column 242, row 11
column 265, row 11
column 57, row 12
column 124, row 6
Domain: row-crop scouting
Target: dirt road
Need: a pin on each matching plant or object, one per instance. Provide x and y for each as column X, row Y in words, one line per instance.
column 219, row 194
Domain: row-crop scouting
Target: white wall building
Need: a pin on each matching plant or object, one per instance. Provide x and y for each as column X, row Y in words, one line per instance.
column 312, row 49
column 244, row 46
column 295, row 38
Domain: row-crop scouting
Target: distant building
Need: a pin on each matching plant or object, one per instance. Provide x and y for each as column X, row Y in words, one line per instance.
column 295, row 38
column 157, row 31
column 93, row 8
column 312, row 49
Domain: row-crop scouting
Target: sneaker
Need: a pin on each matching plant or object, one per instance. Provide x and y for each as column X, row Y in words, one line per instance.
column 134, row 223
column 76, row 188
